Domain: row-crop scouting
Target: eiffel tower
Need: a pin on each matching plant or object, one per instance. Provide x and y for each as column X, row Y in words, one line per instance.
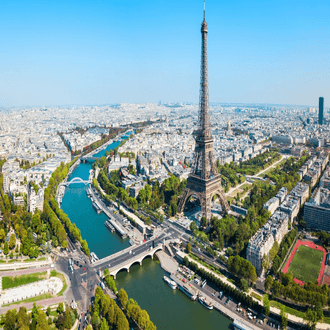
column 204, row 181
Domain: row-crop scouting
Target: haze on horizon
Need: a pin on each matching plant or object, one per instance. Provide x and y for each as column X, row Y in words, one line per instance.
column 103, row 52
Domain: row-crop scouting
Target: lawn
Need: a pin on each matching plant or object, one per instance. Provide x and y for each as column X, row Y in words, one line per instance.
column 306, row 264
column 14, row 281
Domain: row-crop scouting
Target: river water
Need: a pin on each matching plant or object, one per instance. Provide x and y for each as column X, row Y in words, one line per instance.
column 168, row 309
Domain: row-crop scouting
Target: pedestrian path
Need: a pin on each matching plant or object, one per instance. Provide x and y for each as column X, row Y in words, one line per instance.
column 166, row 262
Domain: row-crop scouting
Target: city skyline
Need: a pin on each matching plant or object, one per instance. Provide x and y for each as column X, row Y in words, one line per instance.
column 127, row 52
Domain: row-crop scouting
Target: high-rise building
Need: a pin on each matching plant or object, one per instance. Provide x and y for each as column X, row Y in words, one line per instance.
column 317, row 210
column 204, row 181
column 321, row 105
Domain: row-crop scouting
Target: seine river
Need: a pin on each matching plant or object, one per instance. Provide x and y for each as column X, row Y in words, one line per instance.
column 168, row 309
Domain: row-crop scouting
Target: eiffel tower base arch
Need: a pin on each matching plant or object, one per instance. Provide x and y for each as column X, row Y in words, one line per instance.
column 204, row 190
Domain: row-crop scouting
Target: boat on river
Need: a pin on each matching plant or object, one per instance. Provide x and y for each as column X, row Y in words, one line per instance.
column 204, row 302
column 109, row 226
column 169, row 282
column 94, row 257
column 188, row 292
column 97, row 208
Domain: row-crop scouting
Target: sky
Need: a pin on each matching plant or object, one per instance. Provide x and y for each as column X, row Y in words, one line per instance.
column 104, row 51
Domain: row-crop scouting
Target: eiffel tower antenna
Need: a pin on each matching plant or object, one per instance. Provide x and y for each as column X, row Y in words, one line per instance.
column 204, row 181
column 204, row 10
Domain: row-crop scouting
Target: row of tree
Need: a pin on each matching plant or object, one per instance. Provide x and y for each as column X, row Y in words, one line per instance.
column 238, row 295
column 37, row 319
column 283, row 249
column 113, row 132
column 106, row 313
column 71, row 227
column 60, row 222
column 134, row 311
column 249, row 167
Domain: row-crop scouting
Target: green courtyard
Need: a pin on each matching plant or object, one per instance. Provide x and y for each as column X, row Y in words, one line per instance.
column 306, row 264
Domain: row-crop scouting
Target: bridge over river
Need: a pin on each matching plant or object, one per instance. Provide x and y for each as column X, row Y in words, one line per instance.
column 88, row 158
column 123, row 260
column 76, row 180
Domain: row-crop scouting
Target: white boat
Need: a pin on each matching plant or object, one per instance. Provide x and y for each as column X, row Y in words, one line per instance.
column 169, row 282
column 187, row 291
column 205, row 303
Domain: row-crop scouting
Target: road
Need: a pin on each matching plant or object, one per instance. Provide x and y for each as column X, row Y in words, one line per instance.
column 213, row 294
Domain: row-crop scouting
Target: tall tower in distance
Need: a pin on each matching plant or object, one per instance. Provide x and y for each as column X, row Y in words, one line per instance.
column 321, row 105
column 204, row 181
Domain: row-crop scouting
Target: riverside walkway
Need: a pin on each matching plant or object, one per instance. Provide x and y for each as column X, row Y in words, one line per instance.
column 19, row 265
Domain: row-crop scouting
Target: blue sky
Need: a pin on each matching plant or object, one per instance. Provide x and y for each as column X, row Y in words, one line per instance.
column 101, row 52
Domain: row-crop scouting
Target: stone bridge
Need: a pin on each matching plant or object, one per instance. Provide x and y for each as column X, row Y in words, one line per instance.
column 125, row 260
column 136, row 259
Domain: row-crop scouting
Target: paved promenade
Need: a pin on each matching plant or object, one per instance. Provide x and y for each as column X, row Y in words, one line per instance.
column 167, row 262
column 43, row 303
column 24, row 271
column 18, row 265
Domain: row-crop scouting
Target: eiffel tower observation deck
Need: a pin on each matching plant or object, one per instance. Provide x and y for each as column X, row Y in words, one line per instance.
column 204, row 182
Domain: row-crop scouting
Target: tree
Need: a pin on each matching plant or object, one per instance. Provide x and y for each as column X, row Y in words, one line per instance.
column 67, row 319
column 284, row 318
column 268, row 283
column 188, row 248
column 319, row 311
column 55, row 241
column 85, row 248
column 203, row 221
column 60, row 308
column 35, row 311
column 12, row 241
column 2, row 234
column 186, row 261
column 244, row 285
column 36, row 223
column 104, row 325
column 48, row 310
column 311, row 319
column 266, row 304
column 265, row 262
column 123, row 297
column 22, row 319
column 42, row 323
column 10, row 320
column 230, row 251
column 193, row 226
column 110, row 282
column 6, row 248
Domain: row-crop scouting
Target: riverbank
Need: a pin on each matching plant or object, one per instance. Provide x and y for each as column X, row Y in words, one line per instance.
column 170, row 265
column 60, row 191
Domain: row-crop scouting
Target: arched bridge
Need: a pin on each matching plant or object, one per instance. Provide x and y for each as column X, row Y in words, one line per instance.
column 134, row 260
column 76, row 180
column 123, row 260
